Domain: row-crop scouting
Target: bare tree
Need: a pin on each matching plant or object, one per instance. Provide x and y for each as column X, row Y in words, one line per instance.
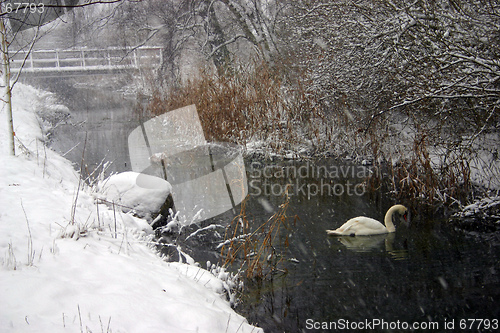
column 381, row 56
column 217, row 30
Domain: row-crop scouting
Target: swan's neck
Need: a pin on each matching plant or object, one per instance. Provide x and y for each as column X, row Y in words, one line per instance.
column 388, row 219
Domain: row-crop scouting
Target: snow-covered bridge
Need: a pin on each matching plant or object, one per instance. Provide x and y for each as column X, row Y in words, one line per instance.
column 85, row 61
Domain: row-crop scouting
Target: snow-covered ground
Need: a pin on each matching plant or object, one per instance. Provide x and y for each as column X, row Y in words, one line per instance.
column 70, row 264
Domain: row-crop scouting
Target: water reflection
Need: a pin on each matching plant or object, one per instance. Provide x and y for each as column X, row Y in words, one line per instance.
column 373, row 243
column 366, row 243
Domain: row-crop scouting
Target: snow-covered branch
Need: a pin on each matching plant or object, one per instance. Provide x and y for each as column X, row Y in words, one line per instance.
column 234, row 239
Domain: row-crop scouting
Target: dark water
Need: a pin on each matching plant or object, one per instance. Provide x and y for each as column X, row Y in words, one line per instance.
column 428, row 273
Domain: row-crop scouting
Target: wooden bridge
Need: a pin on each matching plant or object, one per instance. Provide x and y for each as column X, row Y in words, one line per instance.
column 84, row 61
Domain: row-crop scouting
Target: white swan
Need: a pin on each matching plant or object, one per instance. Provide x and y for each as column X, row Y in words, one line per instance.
column 364, row 226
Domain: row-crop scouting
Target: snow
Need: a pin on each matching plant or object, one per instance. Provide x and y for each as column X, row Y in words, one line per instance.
column 481, row 207
column 133, row 191
column 70, row 264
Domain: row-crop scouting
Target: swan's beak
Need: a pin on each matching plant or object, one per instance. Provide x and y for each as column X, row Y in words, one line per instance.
column 405, row 216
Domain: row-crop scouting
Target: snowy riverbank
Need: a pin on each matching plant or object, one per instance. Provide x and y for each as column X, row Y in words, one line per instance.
column 69, row 263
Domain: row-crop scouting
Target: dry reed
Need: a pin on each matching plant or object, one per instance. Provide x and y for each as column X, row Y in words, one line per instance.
column 260, row 250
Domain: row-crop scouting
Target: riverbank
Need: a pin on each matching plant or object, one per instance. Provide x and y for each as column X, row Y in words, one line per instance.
column 70, row 263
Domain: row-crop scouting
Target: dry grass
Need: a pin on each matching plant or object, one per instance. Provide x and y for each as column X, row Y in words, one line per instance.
column 419, row 180
column 428, row 166
column 248, row 103
column 259, row 251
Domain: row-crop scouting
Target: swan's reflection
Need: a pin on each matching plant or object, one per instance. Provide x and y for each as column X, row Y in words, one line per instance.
column 374, row 242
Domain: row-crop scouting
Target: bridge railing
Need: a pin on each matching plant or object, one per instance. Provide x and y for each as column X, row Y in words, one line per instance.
column 112, row 58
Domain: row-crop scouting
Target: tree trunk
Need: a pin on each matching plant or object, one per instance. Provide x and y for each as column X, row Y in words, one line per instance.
column 6, row 82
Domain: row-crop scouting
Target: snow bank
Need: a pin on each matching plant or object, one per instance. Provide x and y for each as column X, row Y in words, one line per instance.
column 71, row 265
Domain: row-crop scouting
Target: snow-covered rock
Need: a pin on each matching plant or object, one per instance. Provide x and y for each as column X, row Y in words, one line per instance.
column 132, row 191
